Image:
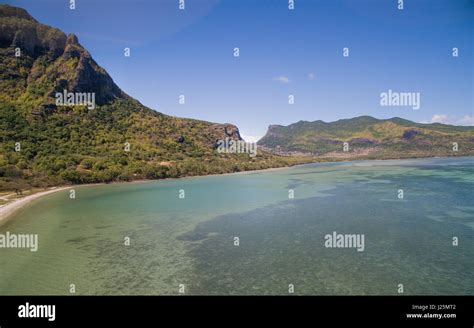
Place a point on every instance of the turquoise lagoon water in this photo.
(190, 241)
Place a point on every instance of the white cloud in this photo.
(311, 76)
(466, 120)
(445, 119)
(250, 138)
(439, 118)
(282, 79)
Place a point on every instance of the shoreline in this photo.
(270, 169)
(8, 209)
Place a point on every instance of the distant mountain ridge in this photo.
(368, 135)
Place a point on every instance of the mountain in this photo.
(369, 137)
(43, 142)
(64, 120)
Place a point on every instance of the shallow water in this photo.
(190, 241)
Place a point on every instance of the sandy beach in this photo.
(8, 209)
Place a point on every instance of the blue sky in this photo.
(282, 52)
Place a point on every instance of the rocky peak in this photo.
(274, 126)
(73, 49)
(72, 39)
(9, 11)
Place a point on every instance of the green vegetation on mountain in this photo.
(42, 144)
(371, 137)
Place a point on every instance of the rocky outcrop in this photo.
(225, 131)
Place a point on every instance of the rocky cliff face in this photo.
(57, 62)
(19, 29)
(88, 77)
